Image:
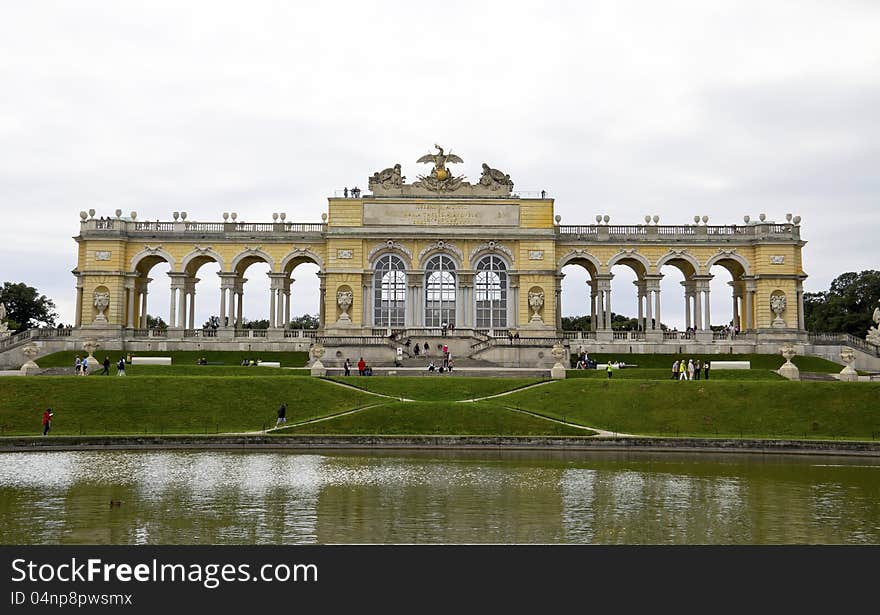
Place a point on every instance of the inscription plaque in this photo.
(440, 214)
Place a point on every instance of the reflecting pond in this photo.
(189, 497)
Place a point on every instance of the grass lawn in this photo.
(723, 408)
(96, 405)
(655, 373)
(758, 361)
(438, 418)
(66, 358)
(439, 388)
(208, 371)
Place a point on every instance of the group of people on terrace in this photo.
(690, 369)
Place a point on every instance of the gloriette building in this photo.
(403, 259)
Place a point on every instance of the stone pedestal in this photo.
(30, 369)
(848, 374)
(318, 368)
(557, 372)
(654, 336)
(790, 371)
(703, 336)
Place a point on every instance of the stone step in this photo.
(818, 377)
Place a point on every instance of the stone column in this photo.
(800, 307)
(130, 301)
(649, 314)
(322, 311)
(79, 306)
(698, 309)
(368, 299)
(413, 286)
(640, 293)
(608, 307)
(594, 296)
(513, 300)
(287, 284)
(708, 308)
(272, 293)
(172, 310)
(236, 302)
(228, 281)
(657, 309)
(143, 314)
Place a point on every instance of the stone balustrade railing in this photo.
(689, 232)
(844, 339)
(120, 226)
(42, 333)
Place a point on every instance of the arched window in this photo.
(439, 291)
(389, 288)
(490, 293)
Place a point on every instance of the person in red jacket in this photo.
(362, 366)
(47, 420)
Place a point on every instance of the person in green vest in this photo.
(608, 369)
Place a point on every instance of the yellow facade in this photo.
(115, 258)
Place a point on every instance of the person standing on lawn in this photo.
(47, 420)
(282, 415)
(362, 367)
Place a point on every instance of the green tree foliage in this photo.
(846, 307)
(255, 324)
(156, 322)
(306, 321)
(619, 322)
(26, 307)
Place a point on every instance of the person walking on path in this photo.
(675, 370)
(608, 369)
(362, 367)
(682, 370)
(697, 368)
(85, 367)
(427, 350)
(120, 367)
(282, 415)
(77, 366)
(47, 420)
(690, 369)
(106, 366)
(347, 367)
(706, 370)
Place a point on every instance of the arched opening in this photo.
(302, 311)
(440, 291)
(202, 291)
(490, 293)
(252, 309)
(677, 290)
(389, 291)
(628, 284)
(152, 293)
(726, 296)
(579, 295)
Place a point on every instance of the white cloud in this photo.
(626, 108)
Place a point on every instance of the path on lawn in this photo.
(597, 432)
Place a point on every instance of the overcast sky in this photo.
(622, 108)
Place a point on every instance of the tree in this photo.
(255, 324)
(155, 322)
(846, 307)
(26, 307)
(619, 322)
(306, 321)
